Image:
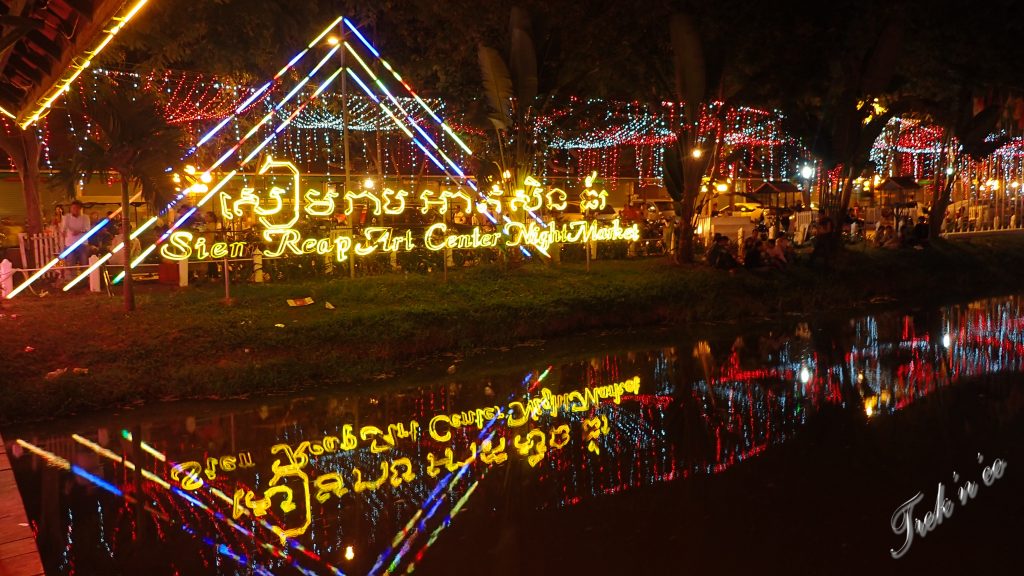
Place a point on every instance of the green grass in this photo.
(187, 344)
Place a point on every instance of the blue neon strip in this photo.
(97, 481)
(289, 65)
(292, 93)
(252, 98)
(83, 239)
(361, 39)
(211, 133)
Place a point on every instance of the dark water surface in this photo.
(782, 448)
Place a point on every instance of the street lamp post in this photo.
(344, 129)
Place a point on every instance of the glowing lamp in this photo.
(1014, 184)
(805, 375)
(190, 169)
(333, 40)
(369, 183)
(806, 172)
(349, 553)
(206, 178)
(697, 153)
(949, 171)
(721, 187)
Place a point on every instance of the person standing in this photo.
(73, 226)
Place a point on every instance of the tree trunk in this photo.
(941, 197)
(940, 203)
(126, 232)
(23, 148)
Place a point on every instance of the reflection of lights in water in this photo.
(870, 403)
(743, 408)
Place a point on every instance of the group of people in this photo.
(757, 253)
(906, 233)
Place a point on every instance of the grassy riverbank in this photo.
(187, 344)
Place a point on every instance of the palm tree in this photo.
(135, 142)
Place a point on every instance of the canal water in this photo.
(783, 447)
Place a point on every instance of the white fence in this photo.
(38, 249)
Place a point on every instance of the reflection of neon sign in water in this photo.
(743, 404)
(289, 489)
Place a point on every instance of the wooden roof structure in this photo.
(46, 44)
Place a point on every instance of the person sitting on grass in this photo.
(719, 255)
(823, 238)
(776, 257)
(919, 237)
(753, 256)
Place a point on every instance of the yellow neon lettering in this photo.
(200, 248)
(237, 249)
(288, 241)
(432, 428)
(225, 210)
(351, 197)
(366, 432)
(359, 485)
(330, 484)
(428, 236)
(535, 440)
(348, 439)
(562, 433)
(219, 250)
(177, 247)
(516, 231)
(458, 196)
(516, 422)
(527, 202)
(227, 463)
(278, 193)
(559, 204)
(245, 460)
(390, 197)
(211, 468)
(396, 477)
(187, 475)
(342, 247)
(491, 453)
(319, 204)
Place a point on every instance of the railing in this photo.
(38, 249)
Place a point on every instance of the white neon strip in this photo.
(411, 120)
(209, 135)
(252, 98)
(88, 271)
(398, 123)
(98, 263)
(32, 279)
(231, 175)
(326, 31)
(142, 256)
(398, 77)
(292, 93)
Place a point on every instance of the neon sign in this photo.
(296, 479)
(278, 211)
